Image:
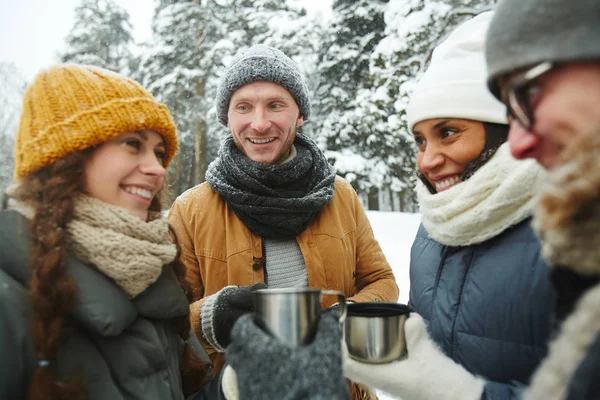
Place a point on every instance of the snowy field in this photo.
(395, 233)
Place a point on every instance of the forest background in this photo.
(361, 60)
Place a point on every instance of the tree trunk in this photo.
(392, 205)
(199, 140)
(401, 201)
(373, 199)
(199, 152)
(177, 189)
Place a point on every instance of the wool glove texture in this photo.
(268, 369)
(222, 309)
(425, 374)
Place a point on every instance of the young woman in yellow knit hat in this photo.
(92, 300)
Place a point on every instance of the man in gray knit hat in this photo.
(273, 212)
(544, 63)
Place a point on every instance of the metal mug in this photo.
(374, 331)
(292, 314)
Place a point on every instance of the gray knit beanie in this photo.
(262, 63)
(525, 33)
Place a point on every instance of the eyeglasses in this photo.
(517, 94)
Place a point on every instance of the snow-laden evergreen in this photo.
(345, 110)
(178, 66)
(361, 62)
(12, 88)
(413, 28)
(101, 36)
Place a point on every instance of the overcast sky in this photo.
(33, 31)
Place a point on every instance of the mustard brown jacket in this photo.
(339, 249)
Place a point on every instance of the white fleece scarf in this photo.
(499, 195)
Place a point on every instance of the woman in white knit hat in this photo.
(479, 287)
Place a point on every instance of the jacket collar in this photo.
(101, 306)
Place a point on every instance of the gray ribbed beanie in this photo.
(262, 63)
(525, 33)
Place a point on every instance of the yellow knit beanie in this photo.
(70, 107)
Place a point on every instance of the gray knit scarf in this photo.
(273, 201)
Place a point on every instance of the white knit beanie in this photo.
(454, 85)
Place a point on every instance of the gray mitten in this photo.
(222, 309)
(268, 369)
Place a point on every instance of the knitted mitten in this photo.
(268, 369)
(222, 309)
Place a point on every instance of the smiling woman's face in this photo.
(127, 171)
(446, 146)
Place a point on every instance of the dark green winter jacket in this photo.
(117, 347)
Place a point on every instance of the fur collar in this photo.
(568, 215)
(567, 222)
(565, 353)
(499, 195)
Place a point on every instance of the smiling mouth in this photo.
(261, 141)
(447, 183)
(146, 194)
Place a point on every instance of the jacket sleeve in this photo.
(183, 226)
(184, 233)
(585, 382)
(212, 390)
(502, 391)
(16, 348)
(374, 278)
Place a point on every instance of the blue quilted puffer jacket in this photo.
(489, 306)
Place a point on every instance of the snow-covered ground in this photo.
(395, 233)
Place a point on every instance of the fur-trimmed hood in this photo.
(567, 219)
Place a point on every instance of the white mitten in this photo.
(425, 374)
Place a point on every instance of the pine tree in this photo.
(343, 97)
(12, 87)
(176, 66)
(413, 29)
(101, 36)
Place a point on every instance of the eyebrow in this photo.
(278, 98)
(436, 126)
(247, 99)
(144, 136)
(441, 123)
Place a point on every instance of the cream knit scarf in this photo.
(499, 195)
(125, 248)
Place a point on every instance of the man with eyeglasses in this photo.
(543, 61)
